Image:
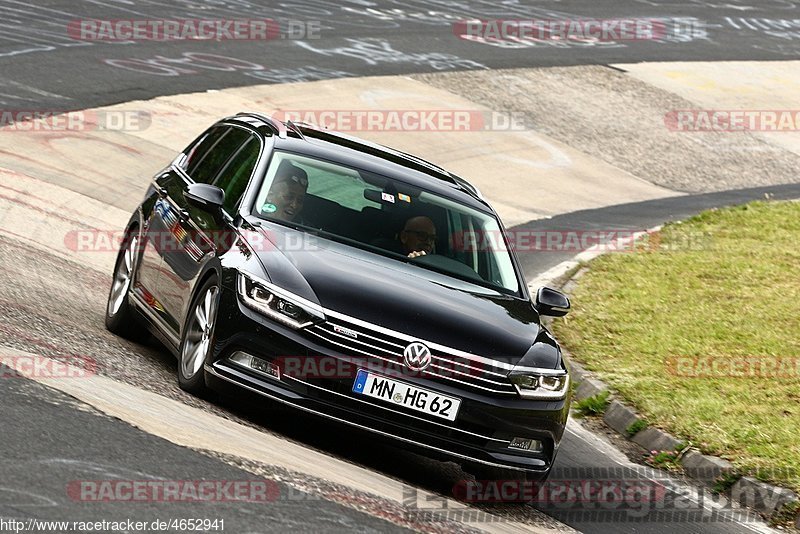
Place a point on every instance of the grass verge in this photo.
(592, 406)
(700, 331)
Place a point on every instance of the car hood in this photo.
(400, 296)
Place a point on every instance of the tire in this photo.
(198, 338)
(121, 318)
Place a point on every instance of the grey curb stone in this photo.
(619, 417)
(569, 285)
(705, 468)
(760, 496)
(577, 372)
(589, 387)
(655, 439)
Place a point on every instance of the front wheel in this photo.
(121, 318)
(198, 338)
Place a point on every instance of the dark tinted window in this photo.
(234, 176)
(200, 147)
(213, 152)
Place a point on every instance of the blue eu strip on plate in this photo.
(361, 380)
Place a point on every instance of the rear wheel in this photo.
(121, 318)
(198, 338)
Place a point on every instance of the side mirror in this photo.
(551, 302)
(205, 197)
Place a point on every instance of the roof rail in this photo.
(474, 191)
(293, 126)
(420, 161)
(276, 125)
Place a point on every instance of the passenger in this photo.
(287, 193)
(418, 237)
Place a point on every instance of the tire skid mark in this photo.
(37, 197)
(38, 313)
(62, 171)
(96, 276)
(38, 342)
(25, 238)
(48, 212)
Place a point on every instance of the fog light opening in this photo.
(526, 444)
(256, 364)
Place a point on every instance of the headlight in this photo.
(540, 384)
(277, 303)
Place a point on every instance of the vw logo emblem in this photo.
(417, 356)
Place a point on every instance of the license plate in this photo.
(402, 394)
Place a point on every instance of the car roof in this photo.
(361, 154)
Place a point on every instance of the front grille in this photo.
(451, 369)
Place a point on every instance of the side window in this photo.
(234, 176)
(199, 147)
(213, 152)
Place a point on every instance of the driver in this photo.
(418, 236)
(287, 193)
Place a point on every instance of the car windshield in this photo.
(388, 217)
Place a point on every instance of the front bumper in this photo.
(481, 433)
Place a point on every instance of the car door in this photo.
(161, 225)
(228, 164)
(150, 262)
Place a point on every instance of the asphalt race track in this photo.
(53, 306)
(43, 66)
